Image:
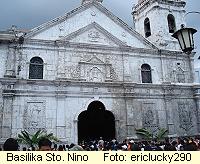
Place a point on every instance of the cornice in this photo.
(63, 45)
(36, 44)
(6, 37)
(121, 84)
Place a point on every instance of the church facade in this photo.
(88, 74)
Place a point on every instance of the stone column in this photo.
(168, 102)
(7, 116)
(10, 64)
(60, 116)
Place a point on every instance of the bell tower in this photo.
(89, 1)
(157, 20)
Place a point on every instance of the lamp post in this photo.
(186, 42)
(185, 38)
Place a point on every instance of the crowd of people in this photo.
(44, 144)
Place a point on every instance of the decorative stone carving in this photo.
(93, 13)
(61, 132)
(95, 60)
(92, 70)
(95, 75)
(176, 72)
(185, 117)
(76, 72)
(180, 75)
(34, 116)
(113, 74)
(93, 36)
(150, 117)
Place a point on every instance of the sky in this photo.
(27, 14)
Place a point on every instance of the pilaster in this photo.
(60, 117)
(10, 63)
(8, 96)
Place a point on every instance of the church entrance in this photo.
(96, 122)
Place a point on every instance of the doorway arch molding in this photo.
(85, 107)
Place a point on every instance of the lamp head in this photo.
(185, 38)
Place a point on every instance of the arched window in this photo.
(147, 27)
(36, 68)
(171, 23)
(146, 73)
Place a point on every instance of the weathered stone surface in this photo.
(90, 55)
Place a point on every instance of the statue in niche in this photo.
(95, 75)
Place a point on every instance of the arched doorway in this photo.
(96, 122)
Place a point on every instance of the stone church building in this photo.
(88, 74)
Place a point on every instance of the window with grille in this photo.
(171, 23)
(147, 27)
(36, 68)
(146, 73)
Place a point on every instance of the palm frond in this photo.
(36, 136)
(144, 132)
(33, 139)
(161, 133)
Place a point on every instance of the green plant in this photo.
(33, 139)
(144, 132)
(160, 134)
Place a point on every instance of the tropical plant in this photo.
(33, 139)
(144, 132)
(150, 135)
(161, 133)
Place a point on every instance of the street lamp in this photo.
(185, 38)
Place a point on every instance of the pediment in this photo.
(93, 34)
(77, 26)
(95, 60)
